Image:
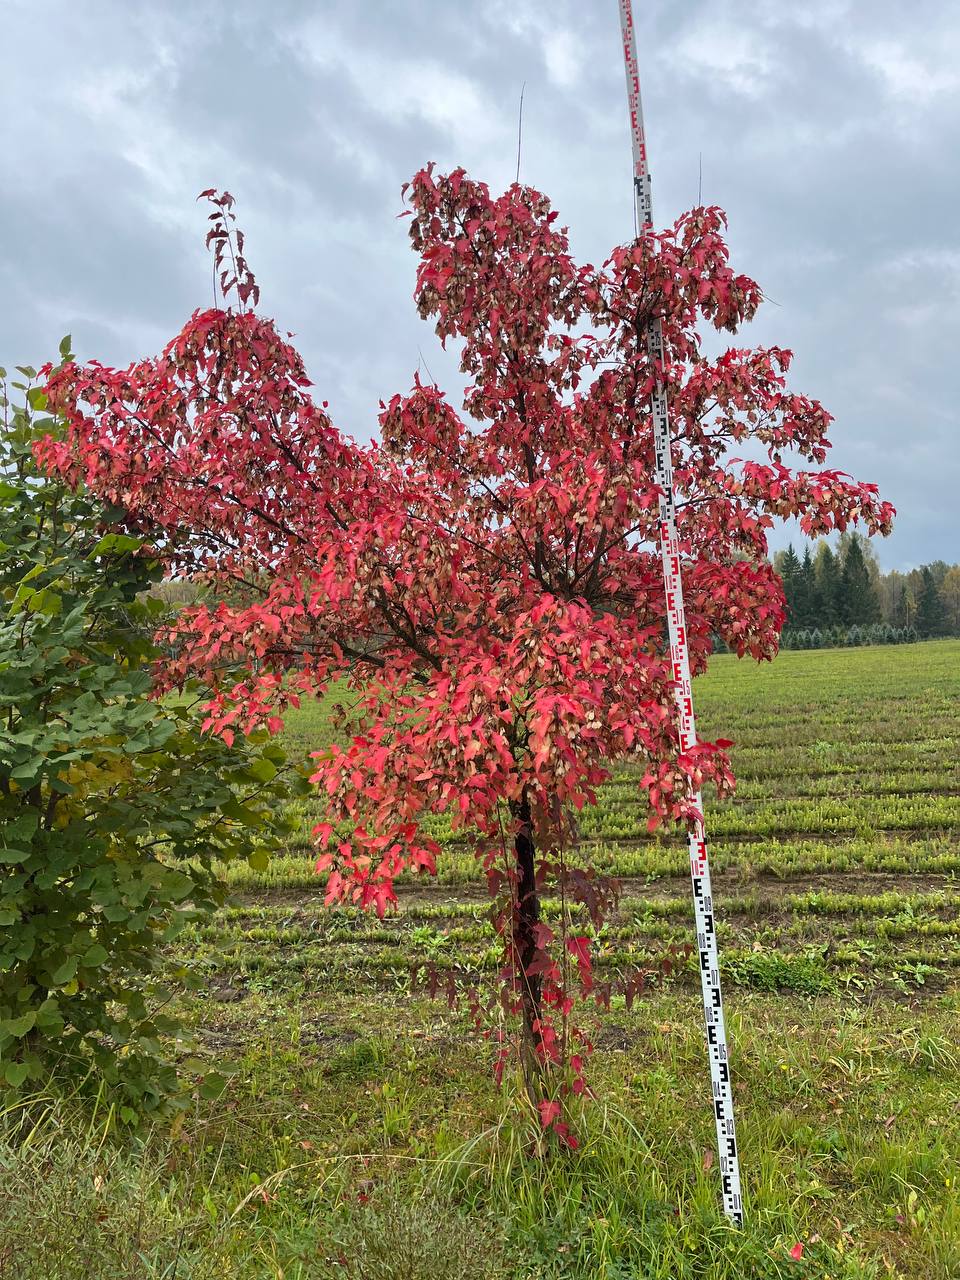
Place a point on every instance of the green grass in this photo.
(360, 1133)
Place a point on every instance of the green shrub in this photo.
(114, 807)
(774, 971)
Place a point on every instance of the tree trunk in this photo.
(526, 915)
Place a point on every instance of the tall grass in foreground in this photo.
(80, 1208)
(389, 1155)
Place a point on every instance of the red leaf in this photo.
(549, 1112)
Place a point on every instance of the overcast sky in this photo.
(828, 131)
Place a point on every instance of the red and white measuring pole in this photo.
(676, 624)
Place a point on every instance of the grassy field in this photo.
(360, 1134)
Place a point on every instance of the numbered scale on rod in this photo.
(716, 1034)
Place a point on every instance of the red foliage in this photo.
(490, 589)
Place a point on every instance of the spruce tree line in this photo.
(842, 596)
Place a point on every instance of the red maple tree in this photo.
(489, 586)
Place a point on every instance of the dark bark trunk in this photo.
(526, 915)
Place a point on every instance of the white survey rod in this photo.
(716, 1034)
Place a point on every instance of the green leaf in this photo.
(16, 1072)
(19, 1026)
(115, 544)
(25, 773)
(23, 826)
(65, 972)
(48, 1015)
(47, 602)
(64, 347)
(241, 813)
(261, 770)
(95, 956)
(212, 1085)
(33, 573)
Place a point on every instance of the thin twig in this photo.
(520, 128)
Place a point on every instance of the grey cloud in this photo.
(828, 145)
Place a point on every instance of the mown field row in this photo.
(807, 943)
(846, 760)
(831, 801)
